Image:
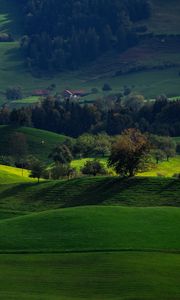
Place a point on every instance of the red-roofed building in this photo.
(40, 93)
(68, 94)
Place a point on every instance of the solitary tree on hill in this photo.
(129, 153)
(37, 170)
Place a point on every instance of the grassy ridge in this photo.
(40, 142)
(140, 191)
(92, 228)
(97, 276)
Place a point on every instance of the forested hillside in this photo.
(66, 34)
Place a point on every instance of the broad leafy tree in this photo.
(129, 153)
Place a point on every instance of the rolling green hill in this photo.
(92, 229)
(40, 142)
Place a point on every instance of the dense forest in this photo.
(70, 118)
(67, 34)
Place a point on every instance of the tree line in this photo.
(66, 34)
(70, 118)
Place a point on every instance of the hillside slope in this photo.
(90, 191)
(91, 229)
(39, 142)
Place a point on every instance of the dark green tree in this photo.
(61, 155)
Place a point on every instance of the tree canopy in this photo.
(129, 153)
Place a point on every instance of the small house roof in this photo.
(40, 92)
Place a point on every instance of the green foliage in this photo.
(93, 167)
(36, 170)
(61, 154)
(61, 171)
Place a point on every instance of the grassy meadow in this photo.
(89, 238)
(164, 168)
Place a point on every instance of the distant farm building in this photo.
(40, 93)
(69, 94)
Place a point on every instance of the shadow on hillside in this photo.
(19, 189)
(139, 191)
(100, 191)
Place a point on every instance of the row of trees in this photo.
(107, 115)
(127, 154)
(130, 153)
(65, 34)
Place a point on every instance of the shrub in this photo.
(106, 87)
(93, 167)
(14, 93)
(61, 171)
(94, 91)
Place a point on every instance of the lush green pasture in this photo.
(25, 101)
(8, 177)
(149, 83)
(40, 142)
(97, 276)
(164, 168)
(14, 171)
(92, 228)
